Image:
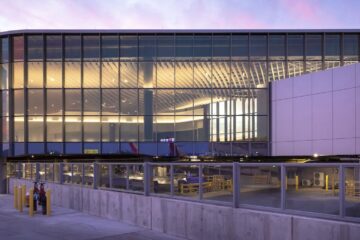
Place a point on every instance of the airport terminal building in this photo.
(180, 92)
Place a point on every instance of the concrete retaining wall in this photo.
(195, 220)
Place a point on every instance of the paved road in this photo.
(66, 224)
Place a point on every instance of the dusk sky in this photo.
(178, 14)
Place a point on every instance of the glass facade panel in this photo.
(128, 74)
(147, 48)
(165, 47)
(73, 129)
(202, 47)
(54, 129)
(110, 47)
(36, 102)
(351, 47)
(54, 102)
(19, 129)
(35, 48)
(258, 47)
(4, 55)
(72, 75)
(314, 47)
(110, 104)
(110, 128)
(54, 75)
(92, 128)
(277, 47)
(73, 102)
(184, 47)
(19, 102)
(18, 75)
(221, 47)
(91, 45)
(240, 47)
(129, 102)
(91, 102)
(165, 75)
(35, 75)
(53, 48)
(36, 129)
(110, 75)
(91, 71)
(332, 47)
(129, 48)
(18, 48)
(72, 47)
(295, 47)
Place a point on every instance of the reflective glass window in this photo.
(35, 47)
(295, 47)
(4, 50)
(54, 130)
(184, 47)
(18, 75)
(35, 75)
(221, 75)
(165, 102)
(258, 47)
(184, 74)
(54, 75)
(110, 128)
(314, 47)
(184, 101)
(110, 47)
(147, 75)
(351, 46)
(202, 47)
(72, 47)
(19, 103)
(72, 74)
(73, 129)
(128, 74)
(165, 75)
(92, 128)
(110, 75)
(147, 49)
(129, 101)
(54, 102)
(35, 102)
(36, 128)
(110, 104)
(4, 76)
(202, 74)
(18, 48)
(128, 48)
(53, 47)
(91, 46)
(332, 46)
(221, 47)
(72, 101)
(91, 102)
(165, 47)
(19, 129)
(129, 131)
(277, 47)
(91, 71)
(240, 47)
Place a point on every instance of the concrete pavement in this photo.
(66, 224)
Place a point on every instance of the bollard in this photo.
(327, 182)
(297, 183)
(31, 202)
(23, 193)
(48, 202)
(20, 199)
(15, 197)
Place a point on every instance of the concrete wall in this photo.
(192, 220)
(317, 113)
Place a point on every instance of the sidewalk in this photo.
(66, 224)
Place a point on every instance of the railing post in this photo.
(110, 175)
(96, 175)
(127, 177)
(61, 173)
(283, 186)
(342, 191)
(83, 174)
(18, 170)
(147, 179)
(235, 186)
(201, 190)
(172, 180)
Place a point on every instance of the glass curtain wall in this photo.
(164, 94)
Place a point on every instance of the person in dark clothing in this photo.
(36, 195)
(42, 198)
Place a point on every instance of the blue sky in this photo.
(178, 14)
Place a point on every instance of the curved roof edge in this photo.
(40, 31)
